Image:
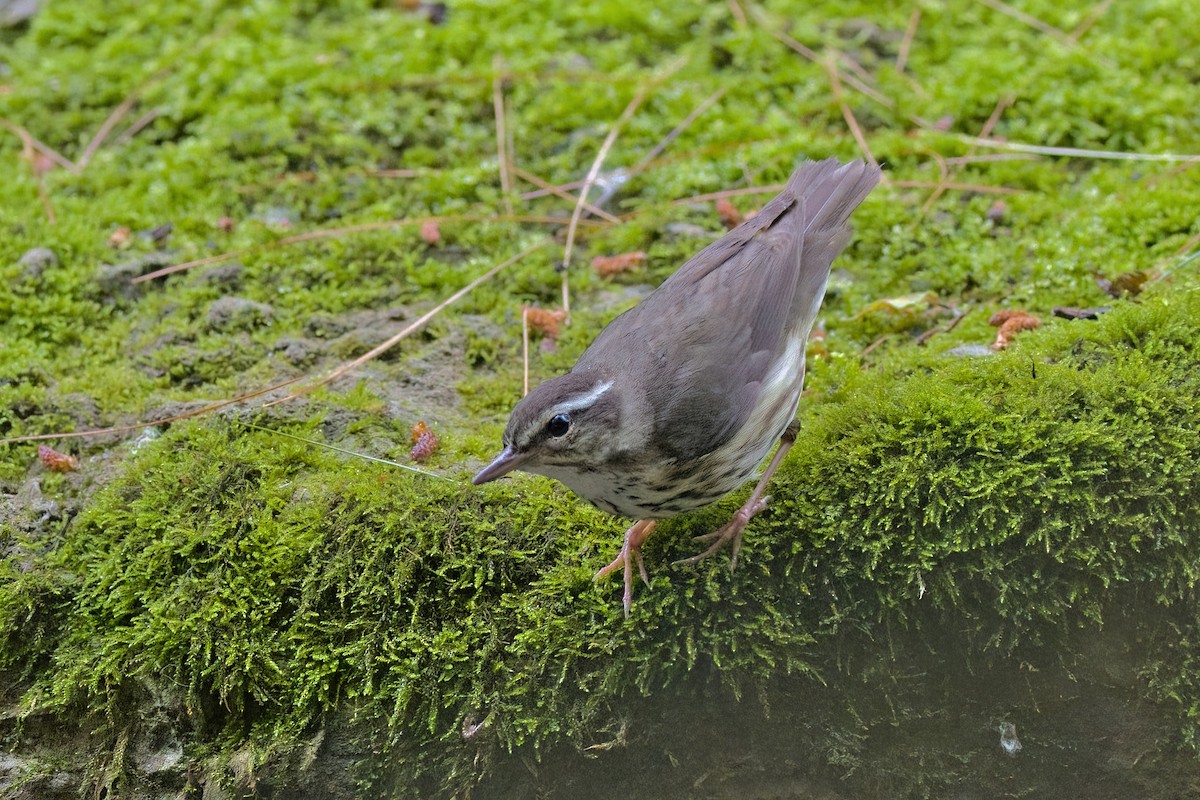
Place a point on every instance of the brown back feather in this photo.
(701, 344)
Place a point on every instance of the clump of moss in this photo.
(998, 494)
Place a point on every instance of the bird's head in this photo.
(569, 421)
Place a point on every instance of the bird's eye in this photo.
(558, 425)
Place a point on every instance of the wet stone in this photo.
(298, 352)
(324, 327)
(227, 275)
(970, 351)
(16, 12)
(238, 313)
(115, 281)
(36, 261)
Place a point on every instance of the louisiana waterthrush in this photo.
(679, 399)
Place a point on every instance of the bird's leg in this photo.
(732, 530)
(632, 549)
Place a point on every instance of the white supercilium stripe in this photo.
(582, 401)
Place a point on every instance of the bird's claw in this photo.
(730, 532)
(631, 550)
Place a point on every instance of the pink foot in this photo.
(730, 533)
(631, 550)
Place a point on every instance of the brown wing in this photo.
(702, 343)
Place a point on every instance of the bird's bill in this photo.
(506, 462)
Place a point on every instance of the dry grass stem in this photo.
(871, 347)
(139, 124)
(106, 128)
(910, 33)
(38, 164)
(308, 176)
(657, 150)
(989, 125)
(525, 349)
(929, 334)
(1002, 105)
(689, 156)
(817, 58)
(335, 448)
(594, 171)
(502, 154)
(32, 144)
(958, 187)
(774, 188)
(850, 63)
(1164, 267)
(1192, 241)
(1075, 152)
(943, 179)
(981, 159)
(735, 9)
(124, 107)
(1089, 19)
(588, 180)
(835, 82)
(558, 191)
(1030, 20)
(396, 173)
(196, 412)
(44, 198)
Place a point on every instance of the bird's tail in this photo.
(825, 194)
(830, 192)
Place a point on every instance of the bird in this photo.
(678, 401)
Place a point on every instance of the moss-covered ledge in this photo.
(959, 543)
(991, 515)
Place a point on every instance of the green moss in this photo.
(999, 492)
(941, 512)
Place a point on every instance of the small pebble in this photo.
(998, 212)
(970, 351)
(1009, 740)
(36, 261)
(238, 313)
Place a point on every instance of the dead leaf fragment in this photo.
(1010, 322)
(730, 216)
(424, 442)
(546, 321)
(606, 266)
(904, 304)
(120, 237)
(944, 123)
(998, 212)
(1127, 283)
(56, 461)
(160, 235)
(430, 234)
(1070, 312)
